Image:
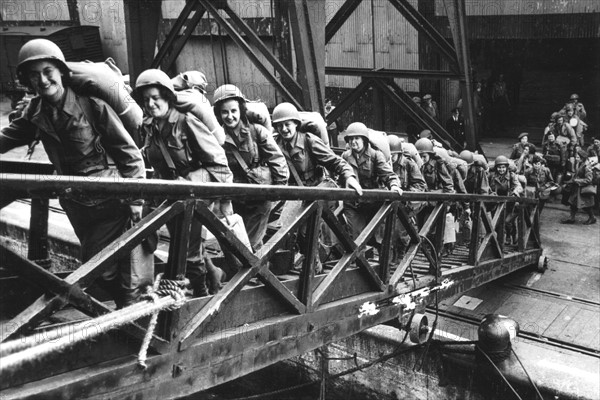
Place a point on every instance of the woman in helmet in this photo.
(372, 169)
(434, 170)
(506, 183)
(78, 133)
(306, 151)
(179, 146)
(253, 157)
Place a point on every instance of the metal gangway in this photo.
(258, 318)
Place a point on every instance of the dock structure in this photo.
(258, 318)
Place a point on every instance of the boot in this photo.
(591, 219)
(571, 219)
(113, 288)
(198, 286)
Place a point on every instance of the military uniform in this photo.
(306, 151)
(78, 137)
(436, 176)
(476, 181)
(373, 172)
(257, 148)
(195, 155)
(505, 185)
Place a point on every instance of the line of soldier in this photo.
(215, 144)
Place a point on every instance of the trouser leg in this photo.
(96, 227)
(256, 219)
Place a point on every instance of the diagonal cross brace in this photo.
(346, 259)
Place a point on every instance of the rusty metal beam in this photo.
(350, 98)
(340, 17)
(310, 62)
(169, 60)
(420, 23)
(241, 42)
(458, 26)
(383, 73)
(258, 43)
(141, 20)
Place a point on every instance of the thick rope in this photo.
(143, 353)
(21, 351)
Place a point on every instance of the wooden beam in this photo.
(88, 272)
(214, 305)
(340, 17)
(311, 252)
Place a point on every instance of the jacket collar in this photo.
(244, 133)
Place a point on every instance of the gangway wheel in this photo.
(419, 328)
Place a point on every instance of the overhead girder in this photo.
(305, 91)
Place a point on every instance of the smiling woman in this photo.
(77, 144)
(253, 157)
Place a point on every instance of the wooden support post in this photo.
(386, 244)
(38, 233)
(310, 258)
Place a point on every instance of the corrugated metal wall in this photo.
(396, 43)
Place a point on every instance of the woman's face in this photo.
(524, 139)
(357, 144)
(46, 79)
(287, 129)
(501, 169)
(155, 105)
(230, 113)
(425, 157)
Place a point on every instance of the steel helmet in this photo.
(501, 160)
(285, 112)
(228, 92)
(357, 129)
(424, 145)
(153, 77)
(467, 156)
(395, 144)
(554, 116)
(425, 133)
(574, 96)
(36, 50)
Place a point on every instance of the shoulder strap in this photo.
(238, 157)
(291, 167)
